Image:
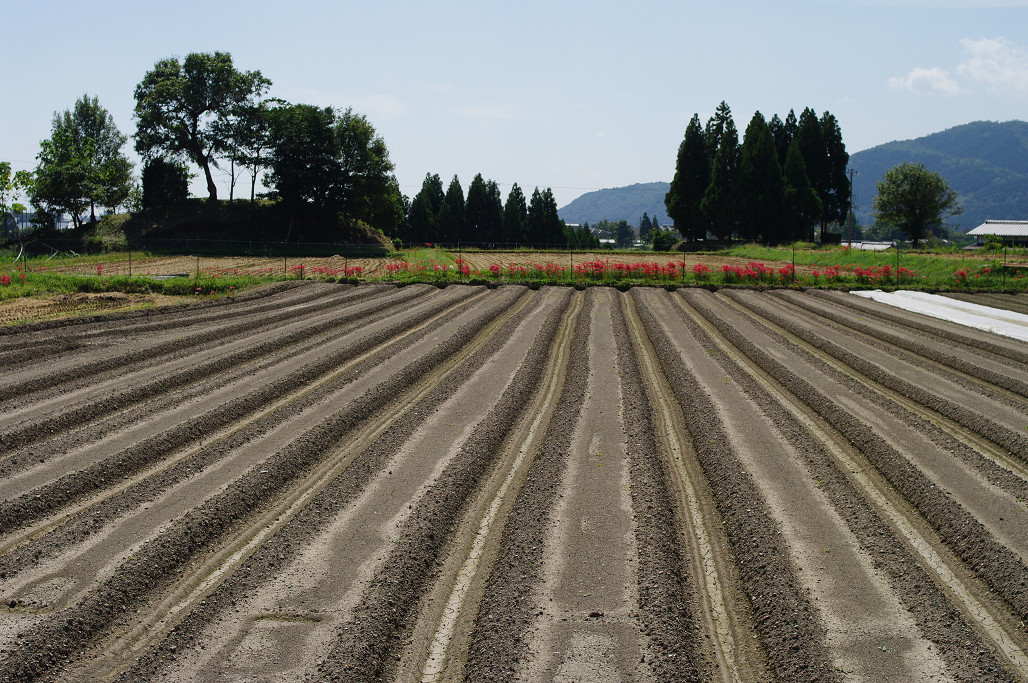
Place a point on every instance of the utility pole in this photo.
(849, 231)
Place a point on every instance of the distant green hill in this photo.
(618, 203)
(985, 162)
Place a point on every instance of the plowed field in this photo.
(358, 483)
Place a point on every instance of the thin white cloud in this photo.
(997, 63)
(487, 111)
(926, 80)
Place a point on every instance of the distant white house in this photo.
(1011, 232)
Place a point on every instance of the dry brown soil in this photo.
(321, 481)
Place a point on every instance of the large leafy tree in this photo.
(249, 140)
(184, 109)
(692, 176)
(333, 162)
(760, 183)
(165, 183)
(81, 165)
(370, 190)
(12, 185)
(913, 198)
(305, 167)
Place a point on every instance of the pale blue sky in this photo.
(569, 95)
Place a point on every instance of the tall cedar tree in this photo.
(811, 143)
(515, 215)
(800, 204)
(783, 132)
(493, 212)
(692, 176)
(424, 210)
(183, 109)
(581, 237)
(719, 200)
(451, 218)
(836, 198)
(645, 226)
(760, 184)
(483, 212)
(543, 226)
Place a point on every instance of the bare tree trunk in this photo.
(211, 187)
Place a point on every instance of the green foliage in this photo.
(108, 234)
(249, 139)
(305, 168)
(483, 214)
(81, 164)
(834, 191)
(451, 216)
(333, 162)
(647, 228)
(543, 226)
(692, 176)
(185, 110)
(622, 232)
(913, 198)
(719, 199)
(760, 189)
(664, 240)
(515, 214)
(11, 188)
(986, 162)
(993, 244)
(165, 183)
(423, 216)
(801, 206)
(581, 238)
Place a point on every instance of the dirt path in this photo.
(329, 482)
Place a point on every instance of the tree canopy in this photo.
(332, 162)
(732, 189)
(81, 165)
(913, 198)
(692, 176)
(165, 183)
(185, 109)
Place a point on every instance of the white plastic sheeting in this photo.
(1007, 323)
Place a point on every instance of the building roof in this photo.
(1001, 229)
